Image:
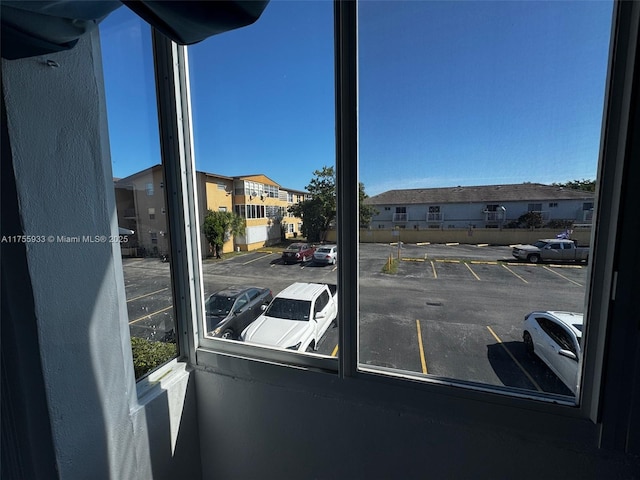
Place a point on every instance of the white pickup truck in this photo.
(562, 250)
(296, 318)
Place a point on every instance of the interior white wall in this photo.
(57, 124)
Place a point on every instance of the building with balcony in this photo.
(140, 200)
(490, 206)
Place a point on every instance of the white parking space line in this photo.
(147, 294)
(535, 384)
(560, 275)
(256, 259)
(472, 272)
(150, 315)
(508, 269)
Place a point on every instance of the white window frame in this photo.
(179, 169)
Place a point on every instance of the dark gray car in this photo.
(231, 310)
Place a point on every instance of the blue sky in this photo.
(451, 93)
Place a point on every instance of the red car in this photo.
(298, 252)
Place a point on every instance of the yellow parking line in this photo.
(147, 294)
(335, 351)
(483, 245)
(514, 273)
(149, 315)
(482, 262)
(446, 260)
(423, 362)
(560, 275)
(452, 244)
(473, 273)
(255, 259)
(535, 384)
(433, 267)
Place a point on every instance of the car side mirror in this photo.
(263, 307)
(568, 354)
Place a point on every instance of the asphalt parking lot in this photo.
(453, 311)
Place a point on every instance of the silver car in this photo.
(555, 338)
(326, 254)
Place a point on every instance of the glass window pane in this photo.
(489, 110)
(139, 187)
(264, 124)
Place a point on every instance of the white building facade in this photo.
(492, 206)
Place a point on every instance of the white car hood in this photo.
(277, 332)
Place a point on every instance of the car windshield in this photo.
(294, 248)
(219, 305)
(289, 309)
(577, 326)
(539, 244)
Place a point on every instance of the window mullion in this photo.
(345, 14)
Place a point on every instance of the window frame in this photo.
(178, 161)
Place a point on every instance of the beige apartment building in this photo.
(140, 201)
(261, 201)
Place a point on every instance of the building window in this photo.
(534, 207)
(125, 42)
(400, 214)
(553, 204)
(397, 41)
(222, 209)
(241, 211)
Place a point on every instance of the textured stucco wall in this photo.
(56, 120)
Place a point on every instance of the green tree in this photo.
(319, 211)
(585, 185)
(219, 226)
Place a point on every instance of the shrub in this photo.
(559, 224)
(391, 267)
(148, 355)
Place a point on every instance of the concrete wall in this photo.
(492, 236)
(260, 421)
(57, 126)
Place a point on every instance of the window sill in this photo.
(161, 379)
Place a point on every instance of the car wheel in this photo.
(528, 343)
(534, 258)
(228, 334)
